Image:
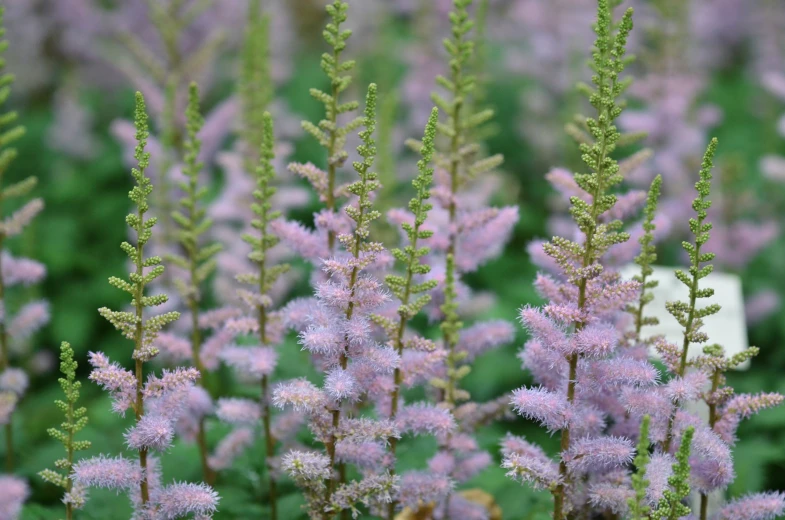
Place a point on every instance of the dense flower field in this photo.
(397, 259)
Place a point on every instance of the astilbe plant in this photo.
(163, 46)
(196, 263)
(331, 135)
(16, 328)
(256, 363)
(156, 401)
(711, 465)
(576, 353)
(419, 358)
(231, 210)
(340, 337)
(75, 420)
(465, 235)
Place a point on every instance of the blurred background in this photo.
(705, 68)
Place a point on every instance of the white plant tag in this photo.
(728, 327)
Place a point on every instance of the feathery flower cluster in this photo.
(596, 384)
(157, 402)
(462, 235)
(355, 365)
(631, 443)
(575, 352)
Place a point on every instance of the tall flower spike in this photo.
(460, 167)
(686, 313)
(341, 338)
(75, 421)
(10, 131)
(328, 132)
(645, 259)
(412, 295)
(262, 282)
(255, 84)
(712, 468)
(197, 261)
(135, 325)
(573, 353)
(671, 506)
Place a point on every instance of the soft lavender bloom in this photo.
(251, 362)
(742, 406)
(611, 496)
(423, 418)
(13, 225)
(658, 471)
(304, 465)
(28, 320)
(239, 411)
(14, 380)
(548, 408)
(21, 270)
(601, 453)
(527, 462)
(170, 381)
(300, 394)
(598, 340)
(420, 487)
(687, 388)
(758, 506)
(105, 472)
(119, 382)
(761, 305)
(182, 498)
(198, 405)
(13, 493)
(365, 455)
(151, 432)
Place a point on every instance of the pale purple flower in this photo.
(484, 336)
(28, 320)
(14, 380)
(300, 394)
(758, 506)
(420, 487)
(238, 411)
(602, 453)
(550, 409)
(105, 472)
(611, 496)
(151, 432)
(424, 418)
(21, 270)
(658, 471)
(182, 498)
(308, 466)
(13, 493)
(251, 362)
(14, 224)
(119, 382)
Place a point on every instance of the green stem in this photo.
(331, 167)
(138, 339)
(687, 332)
